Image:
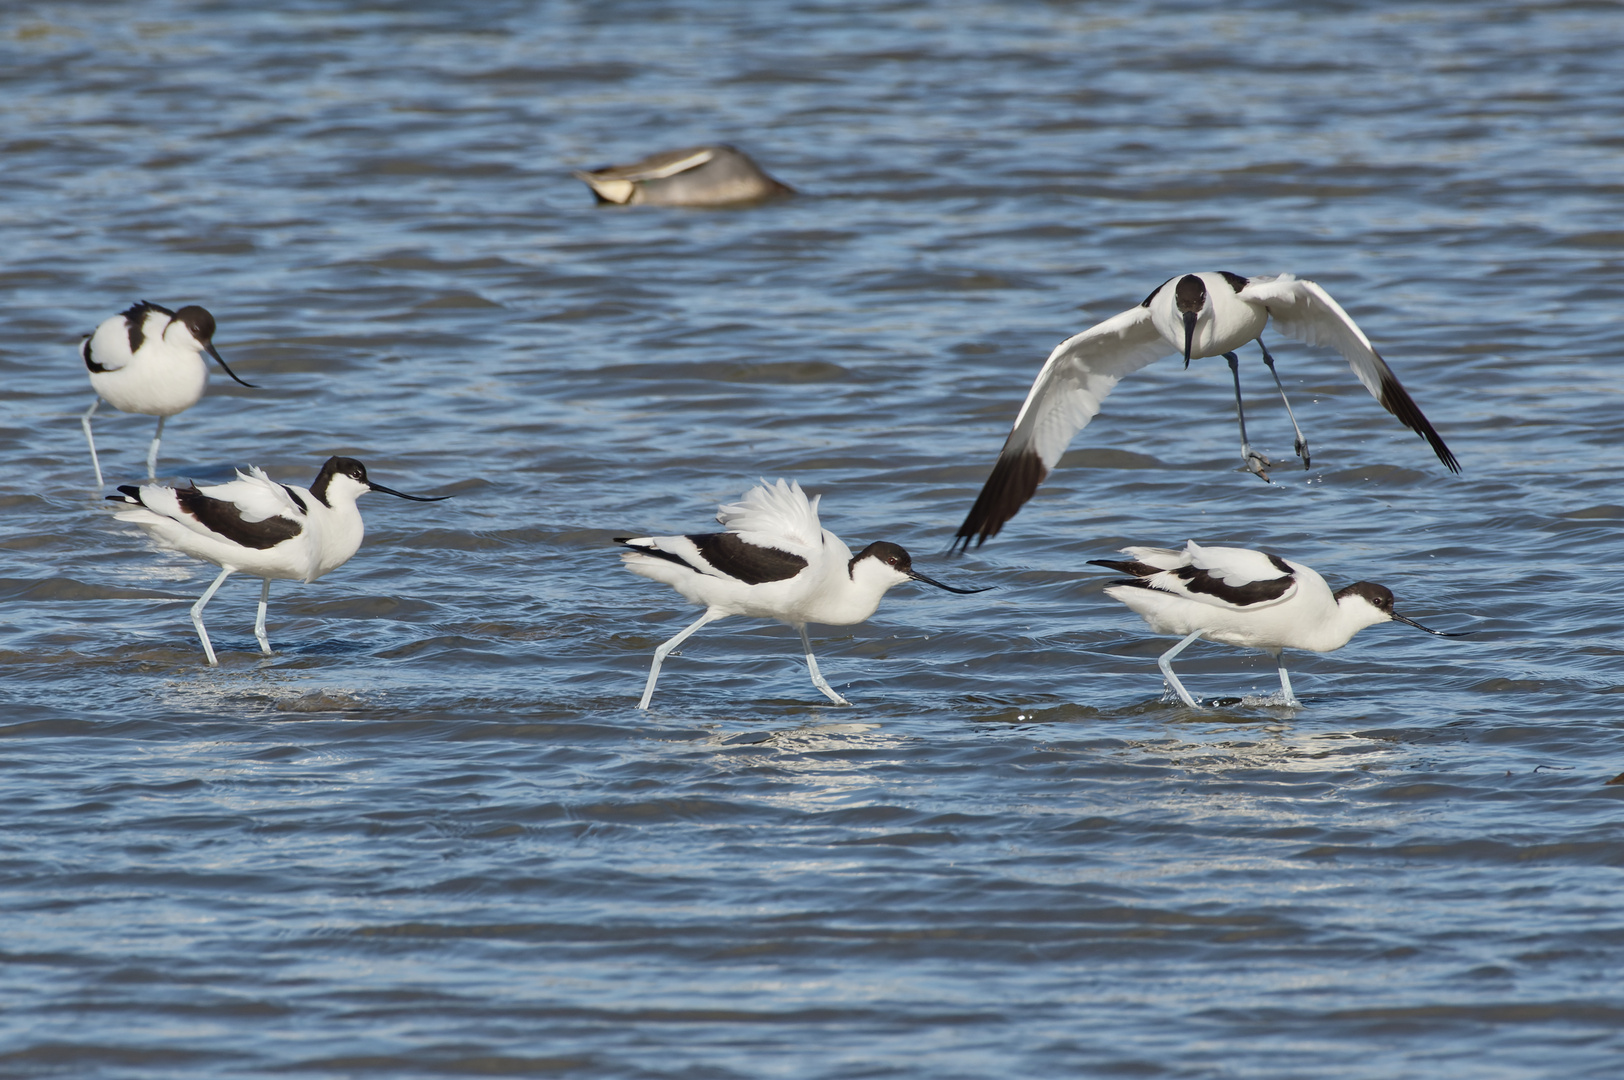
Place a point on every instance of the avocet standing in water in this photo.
(775, 561)
(254, 525)
(1196, 315)
(1237, 596)
(148, 359)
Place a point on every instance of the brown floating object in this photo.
(697, 176)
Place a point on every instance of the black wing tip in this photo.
(1014, 480)
(1127, 566)
(1397, 400)
(128, 494)
(1131, 582)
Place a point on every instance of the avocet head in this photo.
(193, 328)
(343, 479)
(1375, 603)
(887, 564)
(1189, 297)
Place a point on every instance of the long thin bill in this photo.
(1411, 622)
(403, 495)
(217, 359)
(917, 576)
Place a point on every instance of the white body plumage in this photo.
(149, 360)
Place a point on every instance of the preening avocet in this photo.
(694, 176)
(775, 561)
(148, 359)
(1237, 596)
(1196, 315)
(256, 526)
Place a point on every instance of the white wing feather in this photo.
(1304, 312)
(1076, 378)
(775, 516)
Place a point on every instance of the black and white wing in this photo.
(252, 511)
(1303, 311)
(1236, 579)
(1067, 394)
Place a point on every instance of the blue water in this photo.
(432, 836)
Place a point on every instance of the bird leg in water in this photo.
(1285, 682)
(259, 622)
(711, 615)
(817, 676)
(197, 616)
(1255, 462)
(152, 451)
(1166, 664)
(84, 421)
(1302, 443)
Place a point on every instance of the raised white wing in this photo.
(1303, 311)
(1067, 394)
(257, 496)
(775, 516)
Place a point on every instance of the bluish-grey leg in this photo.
(259, 623)
(1255, 462)
(197, 615)
(1302, 443)
(711, 615)
(152, 451)
(84, 422)
(817, 676)
(1166, 664)
(1285, 683)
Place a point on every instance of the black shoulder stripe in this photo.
(1280, 564)
(84, 351)
(1146, 301)
(222, 517)
(1253, 592)
(730, 555)
(294, 495)
(1236, 282)
(135, 321)
(748, 563)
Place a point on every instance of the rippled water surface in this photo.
(432, 836)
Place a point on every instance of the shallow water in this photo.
(433, 836)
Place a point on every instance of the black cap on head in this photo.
(1189, 297)
(348, 466)
(894, 556)
(1380, 597)
(197, 320)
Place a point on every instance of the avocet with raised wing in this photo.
(774, 561)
